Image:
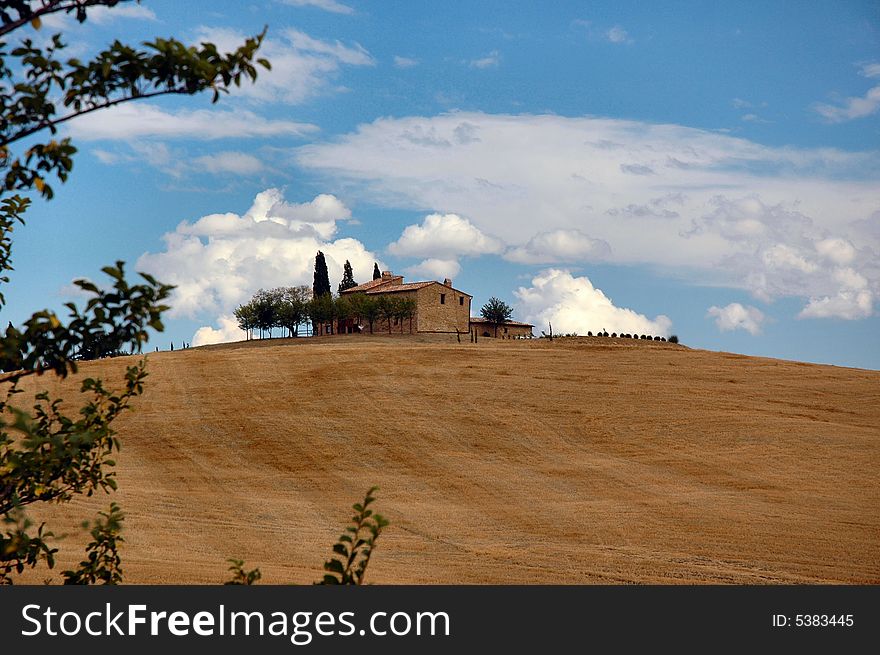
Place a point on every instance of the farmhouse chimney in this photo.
(447, 282)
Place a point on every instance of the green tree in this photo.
(367, 308)
(267, 305)
(47, 455)
(405, 310)
(387, 308)
(291, 309)
(343, 308)
(321, 281)
(497, 312)
(320, 311)
(347, 278)
(246, 316)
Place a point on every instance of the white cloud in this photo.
(177, 163)
(720, 209)
(63, 21)
(435, 269)
(303, 66)
(140, 120)
(854, 107)
(573, 304)
(444, 236)
(737, 317)
(489, 61)
(226, 331)
(104, 15)
(405, 62)
(559, 246)
(218, 261)
(618, 35)
(782, 256)
(871, 69)
(851, 108)
(848, 305)
(230, 161)
(327, 5)
(839, 251)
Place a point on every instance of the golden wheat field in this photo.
(574, 461)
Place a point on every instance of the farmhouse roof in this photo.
(390, 283)
(366, 286)
(392, 288)
(480, 319)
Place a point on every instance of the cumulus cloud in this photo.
(559, 246)
(573, 304)
(227, 330)
(838, 251)
(327, 5)
(218, 261)
(302, 66)
(853, 300)
(737, 317)
(132, 121)
(770, 220)
(435, 269)
(444, 236)
(489, 61)
(848, 305)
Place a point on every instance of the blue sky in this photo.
(708, 171)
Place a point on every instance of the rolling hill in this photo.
(574, 461)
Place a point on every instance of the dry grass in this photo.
(576, 461)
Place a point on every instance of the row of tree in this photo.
(290, 308)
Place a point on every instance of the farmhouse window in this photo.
(442, 298)
(461, 300)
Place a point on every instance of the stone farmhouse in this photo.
(440, 307)
(507, 330)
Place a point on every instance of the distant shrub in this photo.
(614, 335)
(604, 334)
(673, 338)
(589, 333)
(662, 338)
(656, 338)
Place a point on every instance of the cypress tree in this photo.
(376, 273)
(347, 278)
(321, 283)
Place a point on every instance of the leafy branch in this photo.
(354, 547)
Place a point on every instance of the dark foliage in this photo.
(353, 549)
(347, 278)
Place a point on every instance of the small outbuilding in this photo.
(507, 330)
